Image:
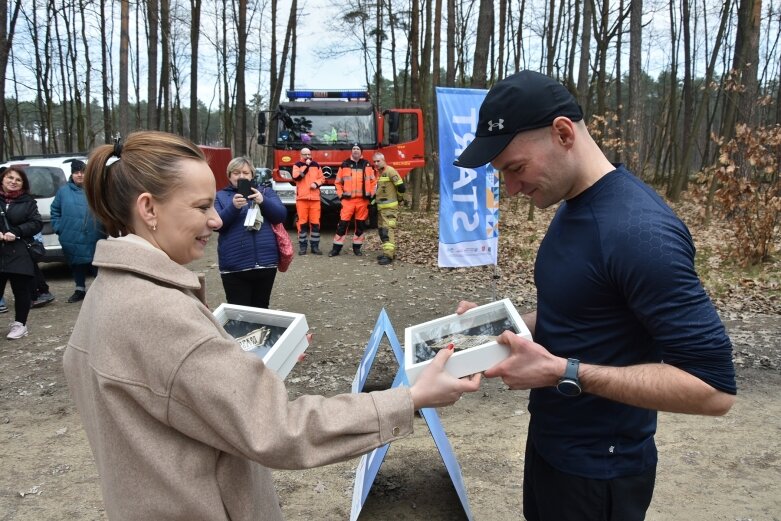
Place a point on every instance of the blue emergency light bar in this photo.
(326, 94)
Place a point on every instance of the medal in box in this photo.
(473, 335)
(278, 337)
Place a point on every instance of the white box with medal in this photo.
(473, 335)
(278, 337)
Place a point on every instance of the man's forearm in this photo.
(660, 387)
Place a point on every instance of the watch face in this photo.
(568, 387)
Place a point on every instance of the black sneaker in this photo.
(333, 253)
(42, 299)
(384, 260)
(77, 296)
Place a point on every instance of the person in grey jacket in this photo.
(76, 228)
(182, 423)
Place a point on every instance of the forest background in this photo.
(704, 125)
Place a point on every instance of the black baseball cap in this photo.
(524, 101)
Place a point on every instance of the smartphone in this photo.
(243, 187)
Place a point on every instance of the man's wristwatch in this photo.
(569, 384)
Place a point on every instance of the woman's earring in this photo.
(154, 227)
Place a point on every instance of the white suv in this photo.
(47, 174)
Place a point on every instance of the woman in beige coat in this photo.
(177, 415)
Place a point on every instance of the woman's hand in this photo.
(464, 306)
(435, 387)
(9, 237)
(239, 201)
(256, 196)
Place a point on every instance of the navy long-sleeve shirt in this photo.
(616, 286)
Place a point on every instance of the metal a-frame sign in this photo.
(370, 463)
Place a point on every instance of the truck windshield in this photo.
(338, 126)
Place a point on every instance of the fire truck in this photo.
(329, 123)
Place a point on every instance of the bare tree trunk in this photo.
(549, 38)
(90, 133)
(67, 126)
(293, 49)
(153, 17)
(240, 135)
(414, 50)
(502, 69)
(105, 74)
(634, 107)
(436, 63)
(227, 119)
(42, 66)
(739, 103)
(139, 122)
(571, 83)
(124, 42)
(165, 69)
(672, 140)
(78, 105)
(450, 65)
(681, 174)
(273, 79)
(392, 22)
(277, 94)
(6, 42)
(378, 37)
(195, 33)
(482, 44)
(585, 55)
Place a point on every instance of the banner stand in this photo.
(369, 464)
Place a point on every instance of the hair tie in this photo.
(116, 154)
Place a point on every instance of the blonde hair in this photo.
(148, 161)
(239, 162)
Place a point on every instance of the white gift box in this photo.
(282, 334)
(473, 334)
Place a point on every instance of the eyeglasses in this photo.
(378, 161)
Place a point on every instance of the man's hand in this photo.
(529, 365)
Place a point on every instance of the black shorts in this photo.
(552, 495)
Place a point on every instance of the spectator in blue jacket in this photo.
(77, 229)
(248, 257)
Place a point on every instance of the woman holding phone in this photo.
(247, 251)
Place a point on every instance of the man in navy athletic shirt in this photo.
(623, 327)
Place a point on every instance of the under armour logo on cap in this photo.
(527, 101)
(492, 125)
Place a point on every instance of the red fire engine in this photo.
(329, 123)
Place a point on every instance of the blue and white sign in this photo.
(468, 197)
(369, 464)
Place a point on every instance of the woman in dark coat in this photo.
(20, 221)
(76, 228)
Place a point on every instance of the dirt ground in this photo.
(726, 468)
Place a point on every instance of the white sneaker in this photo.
(18, 330)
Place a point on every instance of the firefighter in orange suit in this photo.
(355, 186)
(308, 178)
(389, 186)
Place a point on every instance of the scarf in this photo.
(10, 196)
